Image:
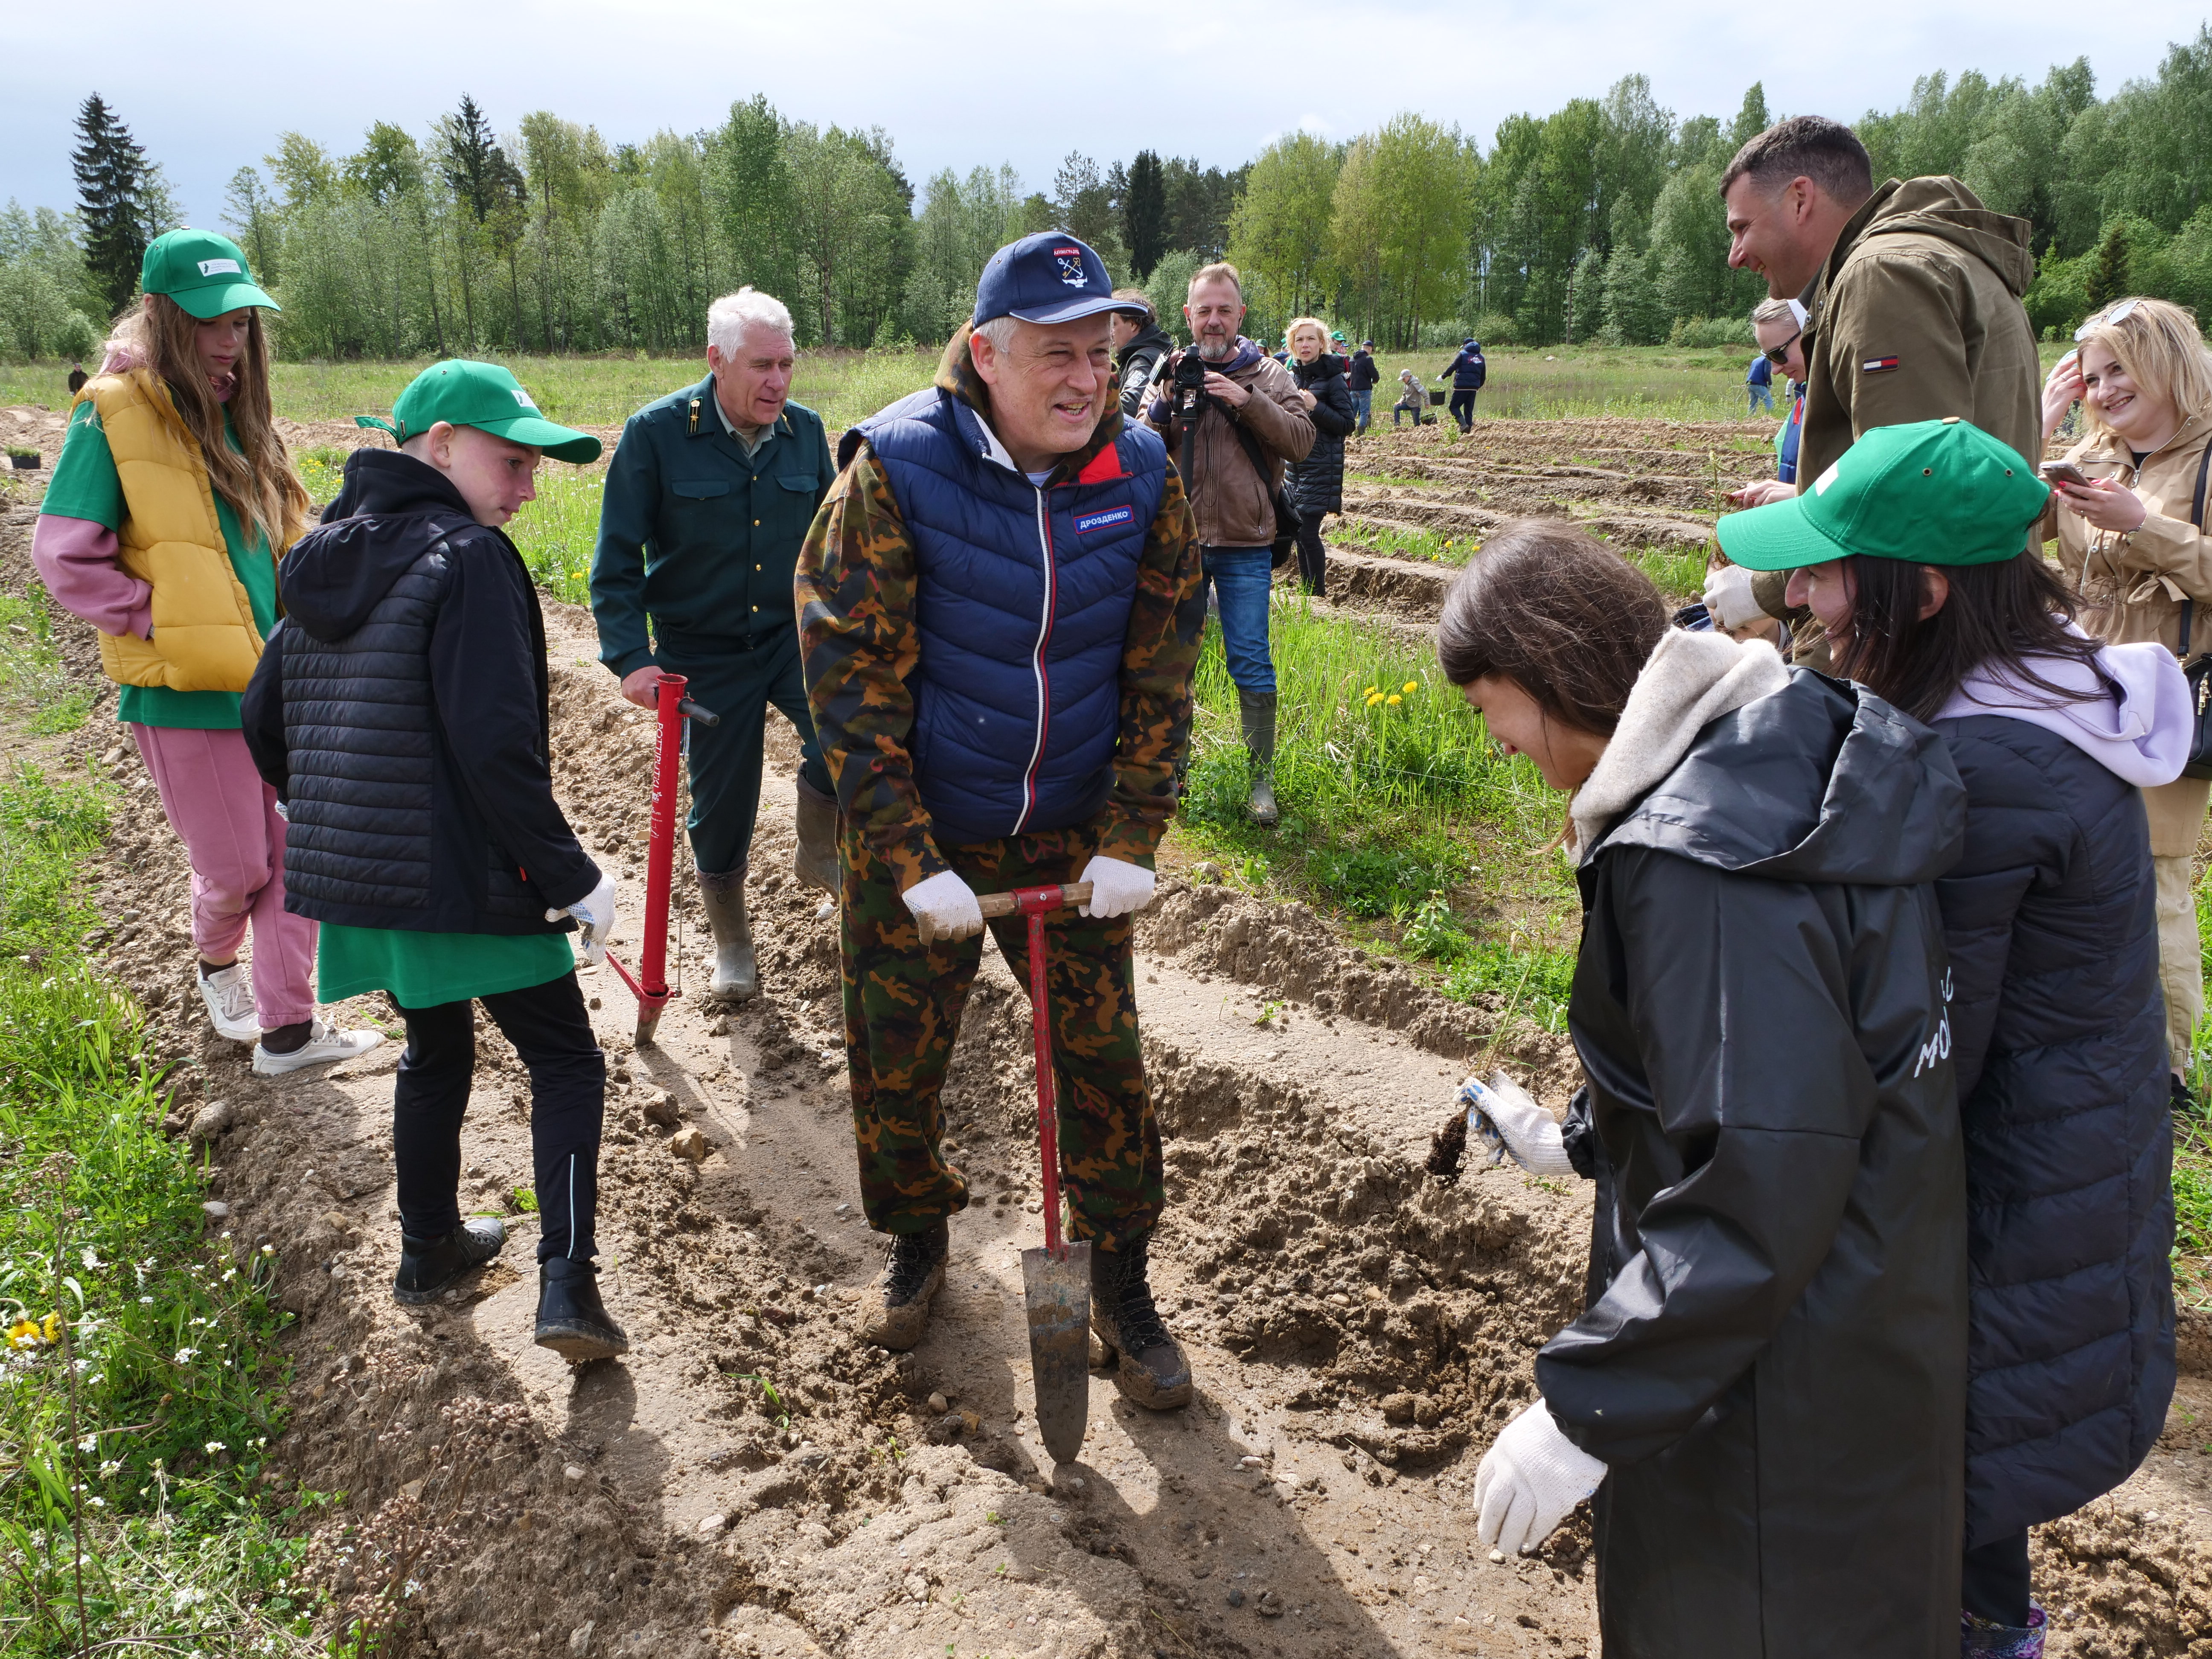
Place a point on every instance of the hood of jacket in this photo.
(1724, 757)
(1944, 208)
(333, 578)
(2129, 710)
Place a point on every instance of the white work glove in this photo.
(595, 915)
(1116, 888)
(1530, 1133)
(1729, 600)
(945, 907)
(1530, 1480)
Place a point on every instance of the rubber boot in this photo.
(1981, 1638)
(572, 1320)
(1258, 711)
(737, 978)
(910, 1277)
(1153, 1370)
(428, 1268)
(814, 862)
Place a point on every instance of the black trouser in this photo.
(1313, 557)
(548, 1028)
(1993, 1584)
(1463, 407)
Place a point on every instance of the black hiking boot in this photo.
(572, 1320)
(430, 1266)
(911, 1274)
(1153, 1370)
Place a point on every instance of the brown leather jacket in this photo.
(1234, 506)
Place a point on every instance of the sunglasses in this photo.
(1780, 354)
(2119, 313)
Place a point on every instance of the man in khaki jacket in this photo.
(1913, 294)
(1248, 411)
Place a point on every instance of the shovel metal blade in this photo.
(1058, 1296)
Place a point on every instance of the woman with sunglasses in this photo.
(2139, 564)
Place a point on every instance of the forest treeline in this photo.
(1600, 220)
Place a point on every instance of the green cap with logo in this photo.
(1931, 492)
(205, 274)
(464, 393)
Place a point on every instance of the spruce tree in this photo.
(1144, 215)
(111, 181)
(2108, 280)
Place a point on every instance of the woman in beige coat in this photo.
(2135, 553)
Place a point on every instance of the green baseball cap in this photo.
(464, 393)
(205, 274)
(1931, 492)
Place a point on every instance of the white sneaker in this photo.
(230, 1002)
(325, 1045)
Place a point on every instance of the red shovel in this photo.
(673, 708)
(1057, 1279)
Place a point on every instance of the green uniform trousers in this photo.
(726, 759)
(903, 1005)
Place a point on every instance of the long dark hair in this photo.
(1558, 613)
(1999, 616)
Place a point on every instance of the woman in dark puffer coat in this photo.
(1316, 483)
(2057, 1024)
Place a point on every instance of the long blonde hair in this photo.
(158, 338)
(2163, 351)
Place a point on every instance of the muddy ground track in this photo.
(1359, 1330)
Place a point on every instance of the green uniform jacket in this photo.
(1916, 315)
(698, 537)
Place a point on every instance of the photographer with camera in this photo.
(1232, 416)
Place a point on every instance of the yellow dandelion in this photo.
(1411, 686)
(1369, 692)
(23, 1333)
(1394, 700)
(52, 1328)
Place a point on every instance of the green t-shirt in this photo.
(422, 970)
(86, 485)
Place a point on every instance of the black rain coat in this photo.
(1316, 479)
(1772, 1359)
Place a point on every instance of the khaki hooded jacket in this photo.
(1234, 505)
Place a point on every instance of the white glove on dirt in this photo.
(595, 914)
(945, 907)
(1116, 888)
(1727, 598)
(1531, 1134)
(1529, 1481)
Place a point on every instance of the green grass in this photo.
(1550, 382)
(35, 692)
(142, 1381)
(556, 532)
(1680, 576)
(1398, 543)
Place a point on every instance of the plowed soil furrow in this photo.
(753, 1480)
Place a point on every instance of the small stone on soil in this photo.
(689, 1143)
(215, 1210)
(212, 1119)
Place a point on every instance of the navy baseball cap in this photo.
(1049, 277)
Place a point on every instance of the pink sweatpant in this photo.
(227, 817)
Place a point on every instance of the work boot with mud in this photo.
(1151, 1370)
(428, 1268)
(903, 1291)
(736, 979)
(814, 862)
(1258, 709)
(572, 1320)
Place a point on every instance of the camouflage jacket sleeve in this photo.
(857, 644)
(1158, 657)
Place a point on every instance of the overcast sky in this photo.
(986, 82)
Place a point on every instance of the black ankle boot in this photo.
(1153, 1370)
(572, 1320)
(429, 1267)
(910, 1277)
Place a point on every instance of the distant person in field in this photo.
(1760, 378)
(1778, 325)
(1467, 373)
(1912, 294)
(76, 379)
(708, 498)
(1000, 614)
(177, 421)
(1141, 346)
(1362, 380)
(1412, 400)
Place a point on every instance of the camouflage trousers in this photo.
(903, 1006)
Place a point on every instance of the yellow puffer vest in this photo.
(205, 638)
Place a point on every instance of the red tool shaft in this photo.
(660, 846)
(1035, 901)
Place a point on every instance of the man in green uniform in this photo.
(708, 499)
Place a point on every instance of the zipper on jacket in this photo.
(1036, 660)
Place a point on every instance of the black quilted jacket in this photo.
(400, 711)
(1316, 481)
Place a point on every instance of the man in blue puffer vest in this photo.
(999, 615)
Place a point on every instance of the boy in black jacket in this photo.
(400, 712)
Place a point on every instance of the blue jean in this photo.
(1242, 577)
(1761, 394)
(1363, 405)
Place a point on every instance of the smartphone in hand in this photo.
(2059, 472)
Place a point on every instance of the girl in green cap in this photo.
(171, 503)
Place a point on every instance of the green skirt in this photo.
(422, 970)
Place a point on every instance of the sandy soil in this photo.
(1360, 1329)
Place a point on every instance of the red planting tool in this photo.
(650, 982)
(1057, 1279)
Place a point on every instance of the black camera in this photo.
(1190, 394)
